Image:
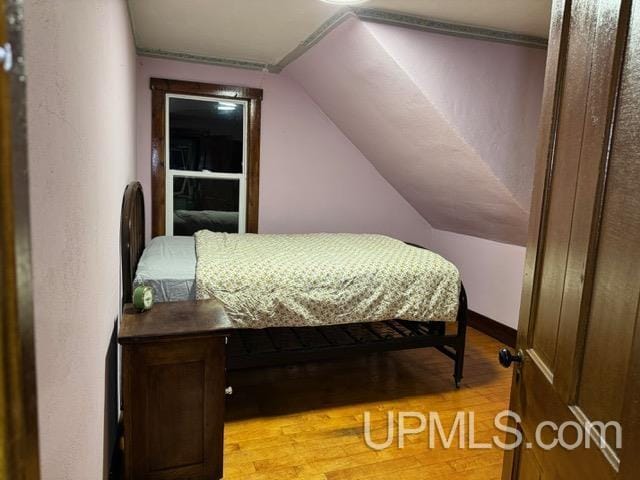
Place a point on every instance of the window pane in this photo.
(205, 204)
(205, 135)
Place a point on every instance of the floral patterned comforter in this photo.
(322, 279)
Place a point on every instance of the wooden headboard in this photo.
(131, 236)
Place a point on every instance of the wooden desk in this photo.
(173, 369)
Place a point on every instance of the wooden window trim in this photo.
(159, 89)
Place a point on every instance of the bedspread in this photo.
(320, 279)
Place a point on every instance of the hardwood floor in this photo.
(306, 421)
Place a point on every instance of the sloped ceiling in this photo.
(489, 92)
(450, 123)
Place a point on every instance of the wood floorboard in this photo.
(306, 421)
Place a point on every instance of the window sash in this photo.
(171, 173)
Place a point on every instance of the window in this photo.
(206, 172)
(205, 157)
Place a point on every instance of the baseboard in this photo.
(503, 333)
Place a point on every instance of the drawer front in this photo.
(174, 409)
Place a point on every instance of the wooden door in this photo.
(18, 416)
(577, 330)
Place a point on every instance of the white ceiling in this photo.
(265, 31)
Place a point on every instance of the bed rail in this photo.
(253, 348)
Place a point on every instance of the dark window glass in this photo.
(205, 135)
(205, 204)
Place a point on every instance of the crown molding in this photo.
(446, 28)
(365, 14)
(188, 57)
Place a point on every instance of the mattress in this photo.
(168, 265)
(302, 280)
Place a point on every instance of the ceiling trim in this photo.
(188, 57)
(446, 28)
(366, 14)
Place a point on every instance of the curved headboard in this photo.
(131, 236)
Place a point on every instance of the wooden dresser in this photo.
(173, 359)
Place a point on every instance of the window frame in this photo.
(161, 91)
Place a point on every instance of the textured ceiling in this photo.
(266, 31)
(458, 144)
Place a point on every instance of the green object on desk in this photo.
(143, 297)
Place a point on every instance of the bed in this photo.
(295, 298)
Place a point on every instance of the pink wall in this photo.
(80, 65)
(490, 92)
(492, 273)
(312, 178)
(463, 176)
